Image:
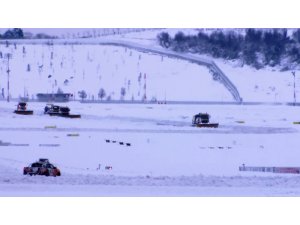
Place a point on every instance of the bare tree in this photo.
(123, 93)
(101, 93)
(82, 94)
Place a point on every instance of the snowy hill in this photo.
(167, 156)
(39, 67)
(45, 68)
(89, 68)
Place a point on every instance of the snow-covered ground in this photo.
(86, 65)
(167, 156)
(72, 68)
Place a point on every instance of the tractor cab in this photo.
(64, 110)
(50, 108)
(22, 109)
(22, 106)
(202, 120)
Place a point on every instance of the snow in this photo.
(91, 67)
(91, 64)
(167, 156)
(264, 85)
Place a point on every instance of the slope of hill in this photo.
(45, 68)
(39, 67)
(167, 155)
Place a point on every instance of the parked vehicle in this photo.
(42, 167)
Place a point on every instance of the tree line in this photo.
(18, 33)
(257, 47)
(15, 33)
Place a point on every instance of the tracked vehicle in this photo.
(22, 109)
(202, 120)
(62, 111)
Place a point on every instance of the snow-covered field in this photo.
(37, 67)
(161, 154)
(45, 68)
(167, 156)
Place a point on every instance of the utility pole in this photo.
(8, 56)
(294, 75)
(145, 88)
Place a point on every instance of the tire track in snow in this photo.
(221, 130)
(10, 176)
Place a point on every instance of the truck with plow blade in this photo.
(202, 120)
(62, 111)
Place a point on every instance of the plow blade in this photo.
(72, 116)
(210, 125)
(27, 112)
(65, 115)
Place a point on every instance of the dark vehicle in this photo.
(64, 110)
(42, 167)
(55, 110)
(22, 106)
(22, 109)
(202, 120)
(51, 109)
(44, 160)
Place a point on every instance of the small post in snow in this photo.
(8, 56)
(294, 75)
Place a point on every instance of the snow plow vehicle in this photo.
(63, 111)
(202, 120)
(42, 167)
(22, 109)
(51, 109)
